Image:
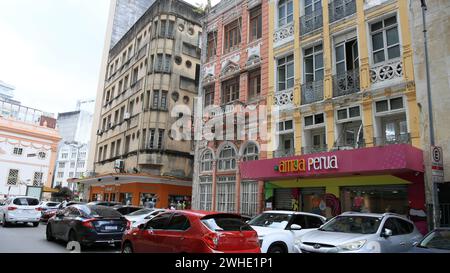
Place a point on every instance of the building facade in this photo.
(28, 149)
(153, 71)
(438, 40)
(234, 77)
(347, 137)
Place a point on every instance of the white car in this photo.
(278, 230)
(142, 216)
(20, 209)
(48, 205)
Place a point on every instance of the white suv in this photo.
(21, 209)
(277, 230)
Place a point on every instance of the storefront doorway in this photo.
(375, 199)
(312, 200)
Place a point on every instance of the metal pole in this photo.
(435, 198)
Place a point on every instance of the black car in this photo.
(437, 241)
(87, 225)
(103, 203)
(125, 210)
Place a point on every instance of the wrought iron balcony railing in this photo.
(314, 149)
(393, 139)
(341, 8)
(284, 153)
(348, 145)
(312, 92)
(346, 83)
(311, 22)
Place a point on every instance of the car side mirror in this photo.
(386, 233)
(295, 227)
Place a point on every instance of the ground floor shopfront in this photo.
(136, 190)
(377, 180)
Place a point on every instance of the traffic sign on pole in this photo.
(437, 164)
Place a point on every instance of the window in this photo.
(122, 114)
(404, 226)
(152, 139)
(212, 45)
(249, 198)
(159, 222)
(205, 196)
(226, 194)
(255, 24)
(312, 5)
(170, 29)
(37, 179)
(230, 90)
(251, 153)
(254, 83)
(100, 154)
(385, 40)
(227, 158)
(287, 125)
(232, 36)
(62, 165)
(155, 29)
(81, 164)
(178, 222)
(155, 99)
(18, 151)
(71, 175)
(164, 100)
(313, 64)
(389, 105)
(391, 225)
(313, 222)
(285, 68)
(209, 95)
(60, 175)
(162, 30)
(160, 139)
(119, 143)
(314, 120)
(167, 61)
(285, 12)
(64, 155)
(207, 162)
(13, 177)
(348, 113)
(159, 62)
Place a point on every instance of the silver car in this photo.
(361, 233)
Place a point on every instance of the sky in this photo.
(51, 50)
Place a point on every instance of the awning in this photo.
(47, 189)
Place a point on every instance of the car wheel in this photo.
(276, 249)
(49, 234)
(35, 224)
(127, 248)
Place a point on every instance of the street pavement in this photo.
(27, 239)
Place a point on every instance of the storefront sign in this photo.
(308, 165)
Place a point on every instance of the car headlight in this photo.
(353, 245)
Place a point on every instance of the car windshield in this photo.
(141, 212)
(225, 222)
(439, 240)
(353, 224)
(99, 212)
(271, 220)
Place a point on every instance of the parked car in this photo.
(20, 209)
(126, 210)
(87, 225)
(362, 233)
(142, 216)
(437, 241)
(48, 205)
(103, 203)
(277, 230)
(50, 213)
(192, 232)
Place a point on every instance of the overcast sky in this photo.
(51, 50)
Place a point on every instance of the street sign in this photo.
(437, 164)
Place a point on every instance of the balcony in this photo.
(283, 34)
(349, 145)
(387, 71)
(346, 83)
(135, 87)
(311, 22)
(141, 53)
(284, 98)
(392, 139)
(312, 92)
(284, 153)
(314, 149)
(341, 8)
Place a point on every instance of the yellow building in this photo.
(341, 82)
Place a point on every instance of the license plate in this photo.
(110, 228)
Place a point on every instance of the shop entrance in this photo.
(444, 201)
(312, 200)
(375, 199)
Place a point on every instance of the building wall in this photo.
(32, 139)
(438, 24)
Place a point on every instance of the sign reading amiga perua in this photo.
(307, 165)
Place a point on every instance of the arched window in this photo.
(251, 152)
(207, 160)
(227, 158)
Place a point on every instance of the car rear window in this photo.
(225, 222)
(52, 204)
(26, 202)
(141, 212)
(99, 211)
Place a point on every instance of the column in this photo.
(363, 47)
(214, 188)
(329, 121)
(237, 196)
(327, 56)
(298, 132)
(404, 26)
(367, 118)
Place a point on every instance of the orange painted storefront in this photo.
(164, 191)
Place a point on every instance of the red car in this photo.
(192, 232)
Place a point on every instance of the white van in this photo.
(20, 209)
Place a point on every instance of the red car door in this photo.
(151, 239)
(177, 237)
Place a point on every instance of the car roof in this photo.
(377, 215)
(293, 212)
(201, 213)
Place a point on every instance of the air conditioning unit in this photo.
(119, 164)
(127, 116)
